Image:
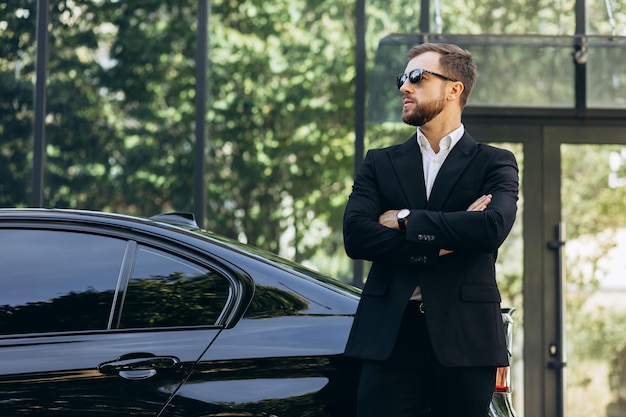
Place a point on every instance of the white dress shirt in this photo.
(432, 162)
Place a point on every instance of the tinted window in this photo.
(57, 281)
(165, 290)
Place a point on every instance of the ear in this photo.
(455, 91)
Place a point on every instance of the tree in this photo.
(120, 112)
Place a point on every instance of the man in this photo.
(430, 214)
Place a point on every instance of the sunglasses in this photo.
(415, 77)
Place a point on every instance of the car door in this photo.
(99, 325)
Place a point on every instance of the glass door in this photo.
(593, 208)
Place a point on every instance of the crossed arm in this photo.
(389, 218)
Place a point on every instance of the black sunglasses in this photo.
(415, 77)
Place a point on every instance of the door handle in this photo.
(137, 366)
(558, 348)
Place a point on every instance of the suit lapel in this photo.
(451, 170)
(407, 163)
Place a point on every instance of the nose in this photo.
(404, 88)
(403, 79)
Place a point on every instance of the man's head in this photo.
(455, 63)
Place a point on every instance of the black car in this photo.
(105, 314)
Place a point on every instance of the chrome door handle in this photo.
(138, 366)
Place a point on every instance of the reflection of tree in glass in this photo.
(174, 300)
(274, 302)
(86, 310)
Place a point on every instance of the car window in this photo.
(165, 290)
(55, 281)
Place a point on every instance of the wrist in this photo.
(403, 218)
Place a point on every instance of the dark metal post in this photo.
(202, 46)
(359, 112)
(39, 99)
(557, 349)
(425, 16)
(580, 58)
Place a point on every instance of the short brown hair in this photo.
(455, 61)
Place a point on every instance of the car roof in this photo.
(69, 215)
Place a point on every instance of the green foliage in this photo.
(594, 210)
(282, 109)
(592, 206)
(120, 105)
(16, 96)
(598, 334)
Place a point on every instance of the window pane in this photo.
(57, 281)
(593, 190)
(165, 290)
(606, 18)
(606, 74)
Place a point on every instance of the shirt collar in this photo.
(446, 143)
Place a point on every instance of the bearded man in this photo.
(430, 214)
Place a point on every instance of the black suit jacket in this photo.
(459, 290)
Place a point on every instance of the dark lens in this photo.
(400, 79)
(415, 76)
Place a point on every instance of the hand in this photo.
(389, 219)
(481, 203)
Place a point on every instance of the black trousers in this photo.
(412, 383)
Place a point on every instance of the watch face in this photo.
(403, 213)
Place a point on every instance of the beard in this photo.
(423, 113)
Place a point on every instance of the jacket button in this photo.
(418, 259)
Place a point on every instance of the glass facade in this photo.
(523, 72)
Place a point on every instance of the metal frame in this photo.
(39, 128)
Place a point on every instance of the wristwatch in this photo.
(402, 216)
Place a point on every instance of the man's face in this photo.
(423, 111)
(424, 101)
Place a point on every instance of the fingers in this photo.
(481, 203)
(389, 219)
